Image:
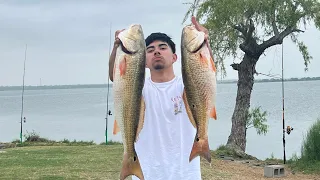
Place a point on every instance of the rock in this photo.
(228, 158)
(2, 146)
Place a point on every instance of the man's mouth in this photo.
(157, 59)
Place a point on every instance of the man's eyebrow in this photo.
(149, 47)
(163, 44)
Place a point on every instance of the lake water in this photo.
(80, 114)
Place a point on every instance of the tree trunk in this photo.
(246, 70)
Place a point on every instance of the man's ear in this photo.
(175, 57)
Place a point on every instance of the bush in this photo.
(309, 162)
(34, 137)
(111, 143)
(310, 149)
(228, 151)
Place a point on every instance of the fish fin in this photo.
(116, 128)
(123, 66)
(141, 120)
(184, 97)
(200, 148)
(212, 65)
(131, 166)
(208, 61)
(213, 113)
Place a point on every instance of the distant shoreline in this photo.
(78, 86)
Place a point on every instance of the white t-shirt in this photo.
(165, 142)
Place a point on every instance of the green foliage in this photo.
(268, 17)
(15, 141)
(273, 160)
(257, 119)
(311, 144)
(308, 167)
(34, 137)
(309, 162)
(111, 143)
(225, 151)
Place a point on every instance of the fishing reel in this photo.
(288, 129)
(24, 120)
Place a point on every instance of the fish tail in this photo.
(131, 166)
(200, 148)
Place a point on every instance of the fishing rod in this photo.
(108, 111)
(24, 71)
(288, 129)
(283, 123)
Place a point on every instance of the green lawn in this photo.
(61, 162)
(96, 162)
(72, 162)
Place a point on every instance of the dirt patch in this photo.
(245, 170)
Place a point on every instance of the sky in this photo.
(68, 41)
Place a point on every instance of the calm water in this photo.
(80, 114)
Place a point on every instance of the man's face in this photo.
(159, 56)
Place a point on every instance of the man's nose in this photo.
(156, 52)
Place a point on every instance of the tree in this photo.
(252, 26)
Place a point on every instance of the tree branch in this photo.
(241, 36)
(235, 66)
(274, 40)
(249, 126)
(245, 49)
(251, 29)
(240, 29)
(274, 25)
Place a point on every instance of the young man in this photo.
(167, 136)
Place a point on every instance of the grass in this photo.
(309, 162)
(61, 162)
(305, 166)
(93, 162)
(71, 162)
(40, 158)
(223, 150)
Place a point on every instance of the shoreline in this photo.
(80, 86)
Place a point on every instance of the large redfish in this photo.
(128, 82)
(199, 78)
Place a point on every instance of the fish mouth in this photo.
(194, 39)
(201, 45)
(131, 39)
(125, 50)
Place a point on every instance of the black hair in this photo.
(161, 37)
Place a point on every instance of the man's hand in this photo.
(112, 58)
(199, 27)
(116, 39)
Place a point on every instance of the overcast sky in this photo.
(68, 41)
